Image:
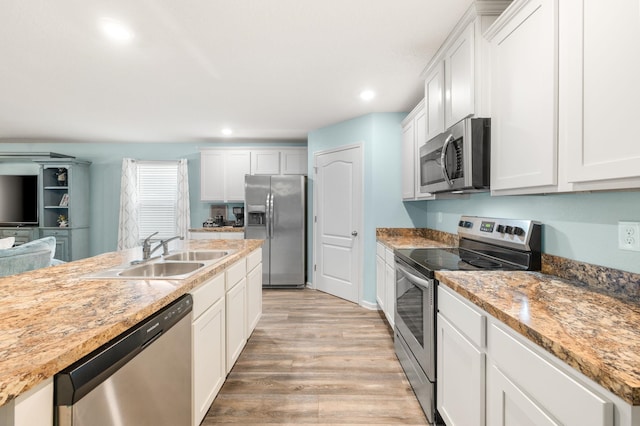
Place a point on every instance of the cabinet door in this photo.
(604, 69)
(237, 165)
(524, 99)
(254, 298)
(235, 322)
(390, 293)
(63, 243)
(209, 367)
(212, 175)
(265, 162)
(408, 161)
(459, 78)
(508, 405)
(433, 100)
(294, 162)
(461, 378)
(380, 279)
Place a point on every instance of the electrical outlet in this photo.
(629, 236)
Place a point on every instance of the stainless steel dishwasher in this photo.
(142, 377)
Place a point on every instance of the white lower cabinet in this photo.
(214, 235)
(380, 296)
(460, 362)
(34, 407)
(236, 298)
(386, 282)
(208, 340)
(490, 375)
(254, 290)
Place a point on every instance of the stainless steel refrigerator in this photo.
(275, 211)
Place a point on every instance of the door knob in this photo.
(354, 233)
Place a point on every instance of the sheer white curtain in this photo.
(183, 213)
(149, 191)
(128, 232)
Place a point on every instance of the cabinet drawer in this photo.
(553, 389)
(380, 250)
(55, 233)
(254, 259)
(207, 294)
(236, 272)
(389, 257)
(470, 321)
(16, 233)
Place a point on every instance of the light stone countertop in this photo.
(52, 317)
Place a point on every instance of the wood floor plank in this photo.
(316, 359)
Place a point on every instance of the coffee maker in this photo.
(238, 212)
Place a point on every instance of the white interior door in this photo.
(338, 211)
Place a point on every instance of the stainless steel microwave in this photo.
(458, 159)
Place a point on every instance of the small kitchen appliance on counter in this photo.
(485, 244)
(238, 212)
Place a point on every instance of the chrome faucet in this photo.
(147, 251)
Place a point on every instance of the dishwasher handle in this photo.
(74, 382)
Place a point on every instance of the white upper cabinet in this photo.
(265, 162)
(434, 101)
(524, 98)
(414, 135)
(293, 161)
(457, 79)
(602, 88)
(459, 75)
(222, 174)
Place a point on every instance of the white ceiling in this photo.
(269, 69)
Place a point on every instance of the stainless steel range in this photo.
(484, 244)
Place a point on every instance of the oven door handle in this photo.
(414, 278)
(443, 159)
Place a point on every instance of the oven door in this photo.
(415, 315)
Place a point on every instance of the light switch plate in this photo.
(629, 235)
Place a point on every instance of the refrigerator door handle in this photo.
(272, 216)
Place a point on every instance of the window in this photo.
(157, 198)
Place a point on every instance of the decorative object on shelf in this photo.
(61, 174)
(62, 221)
(64, 201)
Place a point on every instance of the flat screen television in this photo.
(18, 200)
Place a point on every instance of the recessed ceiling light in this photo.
(227, 131)
(367, 95)
(115, 30)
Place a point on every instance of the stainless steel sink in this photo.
(198, 255)
(161, 270)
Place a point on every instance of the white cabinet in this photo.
(236, 315)
(222, 174)
(380, 276)
(434, 101)
(524, 132)
(254, 290)
(459, 78)
(386, 282)
(460, 361)
(34, 407)
(414, 135)
(265, 162)
(277, 161)
(600, 66)
(208, 340)
(541, 393)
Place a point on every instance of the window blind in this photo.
(157, 198)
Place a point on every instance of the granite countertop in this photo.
(52, 317)
(594, 333)
(585, 324)
(219, 229)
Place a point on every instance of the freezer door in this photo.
(288, 231)
(257, 193)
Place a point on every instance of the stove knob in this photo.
(500, 229)
(518, 231)
(508, 230)
(468, 224)
(461, 224)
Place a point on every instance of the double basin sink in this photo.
(177, 265)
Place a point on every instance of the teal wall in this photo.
(380, 135)
(580, 226)
(106, 164)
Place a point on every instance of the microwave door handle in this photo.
(443, 157)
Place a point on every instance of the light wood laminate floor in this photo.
(316, 359)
